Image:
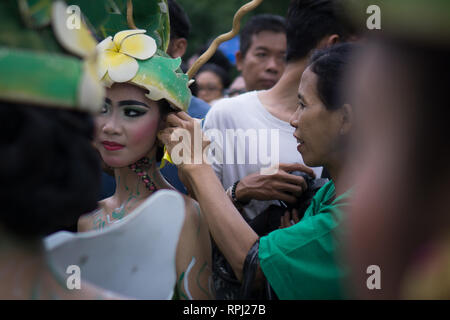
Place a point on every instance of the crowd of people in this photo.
(303, 177)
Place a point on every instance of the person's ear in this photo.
(328, 41)
(332, 40)
(161, 124)
(177, 47)
(239, 59)
(347, 118)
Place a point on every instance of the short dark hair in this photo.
(219, 71)
(257, 24)
(49, 170)
(309, 21)
(180, 25)
(330, 66)
(218, 58)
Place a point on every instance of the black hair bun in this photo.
(49, 171)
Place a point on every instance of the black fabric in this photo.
(269, 220)
(249, 273)
(227, 286)
(248, 289)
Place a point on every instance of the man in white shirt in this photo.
(309, 26)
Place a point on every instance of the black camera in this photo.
(304, 200)
(269, 219)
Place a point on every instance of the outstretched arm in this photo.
(231, 233)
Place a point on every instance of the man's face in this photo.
(264, 62)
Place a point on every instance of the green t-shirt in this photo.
(300, 262)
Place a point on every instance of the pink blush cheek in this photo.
(143, 133)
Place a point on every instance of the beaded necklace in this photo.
(139, 169)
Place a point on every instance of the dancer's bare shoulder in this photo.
(94, 220)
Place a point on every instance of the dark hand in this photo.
(289, 219)
(279, 186)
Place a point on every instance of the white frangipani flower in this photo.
(118, 55)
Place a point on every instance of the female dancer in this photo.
(141, 83)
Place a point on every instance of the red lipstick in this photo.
(112, 146)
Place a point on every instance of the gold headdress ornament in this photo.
(130, 19)
(246, 8)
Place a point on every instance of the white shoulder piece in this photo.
(135, 257)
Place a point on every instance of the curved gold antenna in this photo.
(130, 19)
(246, 8)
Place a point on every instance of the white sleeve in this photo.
(214, 131)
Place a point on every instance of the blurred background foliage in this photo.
(210, 18)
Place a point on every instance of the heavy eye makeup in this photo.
(133, 109)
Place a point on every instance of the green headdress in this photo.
(137, 56)
(34, 65)
(133, 56)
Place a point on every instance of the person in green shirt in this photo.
(300, 261)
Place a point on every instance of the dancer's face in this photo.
(127, 125)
